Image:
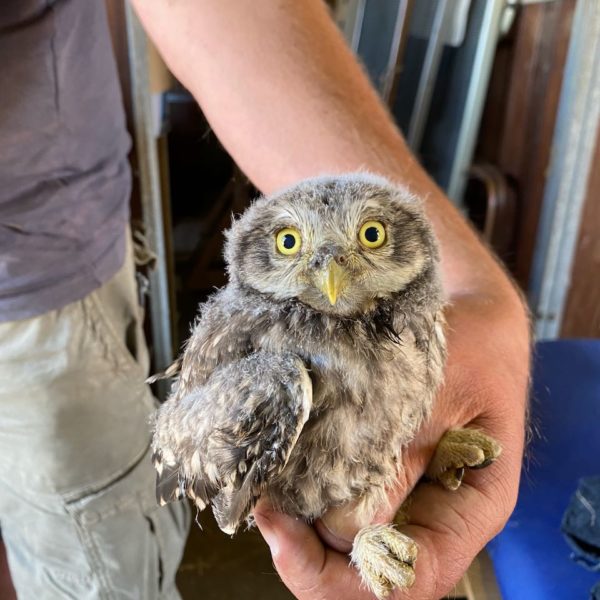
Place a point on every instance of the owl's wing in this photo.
(220, 335)
(224, 441)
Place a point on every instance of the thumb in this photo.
(297, 552)
(306, 567)
(339, 525)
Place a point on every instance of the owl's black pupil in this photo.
(289, 241)
(372, 234)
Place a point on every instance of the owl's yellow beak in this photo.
(333, 281)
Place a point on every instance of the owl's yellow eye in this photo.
(288, 241)
(372, 234)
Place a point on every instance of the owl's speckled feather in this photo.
(283, 393)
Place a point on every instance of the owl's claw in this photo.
(460, 449)
(384, 558)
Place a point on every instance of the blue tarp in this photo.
(531, 557)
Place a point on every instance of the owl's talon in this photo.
(385, 558)
(460, 449)
(484, 464)
(451, 479)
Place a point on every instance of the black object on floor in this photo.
(581, 523)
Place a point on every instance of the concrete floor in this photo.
(217, 567)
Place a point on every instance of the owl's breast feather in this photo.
(372, 388)
(363, 412)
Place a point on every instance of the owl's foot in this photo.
(460, 449)
(384, 558)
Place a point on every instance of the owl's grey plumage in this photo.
(280, 387)
(305, 376)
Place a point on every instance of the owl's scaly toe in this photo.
(384, 558)
(460, 449)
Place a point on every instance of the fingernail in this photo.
(268, 532)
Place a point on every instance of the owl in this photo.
(308, 373)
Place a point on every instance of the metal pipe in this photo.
(477, 90)
(149, 173)
(431, 65)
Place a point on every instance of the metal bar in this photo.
(349, 15)
(431, 65)
(396, 50)
(576, 132)
(478, 85)
(358, 23)
(149, 173)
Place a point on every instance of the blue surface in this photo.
(531, 557)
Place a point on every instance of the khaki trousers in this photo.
(77, 509)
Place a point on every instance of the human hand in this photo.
(485, 387)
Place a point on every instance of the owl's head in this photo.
(337, 244)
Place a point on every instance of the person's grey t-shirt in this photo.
(64, 174)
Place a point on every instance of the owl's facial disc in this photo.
(338, 245)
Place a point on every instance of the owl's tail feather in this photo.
(231, 506)
(168, 484)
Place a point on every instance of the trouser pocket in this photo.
(133, 546)
(114, 543)
(74, 409)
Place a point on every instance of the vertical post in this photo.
(149, 174)
(428, 77)
(485, 50)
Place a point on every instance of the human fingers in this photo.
(309, 570)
